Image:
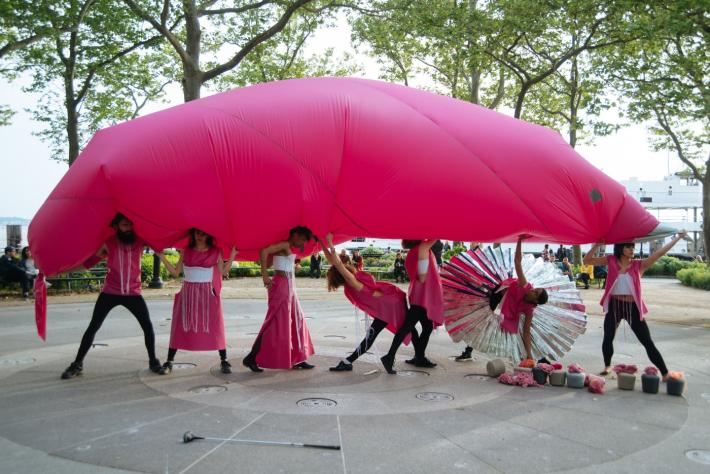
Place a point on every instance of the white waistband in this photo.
(198, 274)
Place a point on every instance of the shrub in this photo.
(670, 266)
(697, 277)
(453, 252)
(147, 267)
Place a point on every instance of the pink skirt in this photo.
(285, 340)
(198, 322)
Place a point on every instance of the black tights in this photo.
(375, 328)
(628, 310)
(172, 351)
(419, 341)
(104, 304)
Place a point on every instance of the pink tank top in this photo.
(429, 294)
(634, 271)
(124, 267)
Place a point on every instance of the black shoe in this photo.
(466, 354)
(424, 363)
(303, 365)
(166, 368)
(543, 360)
(388, 362)
(225, 367)
(251, 363)
(154, 366)
(342, 367)
(72, 371)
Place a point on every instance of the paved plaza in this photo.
(120, 417)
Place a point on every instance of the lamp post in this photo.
(156, 282)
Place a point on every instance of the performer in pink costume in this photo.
(386, 303)
(283, 341)
(425, 300)
(198, 322)
(121, 288)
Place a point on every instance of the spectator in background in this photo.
(447, 247)
(561, 253)
(699, 258)
(357, 260)
(344, 257)
(437, 249)
(546, 253)
(315, 265)
(399, 268)
(567, 268)
(27, 263)
(12, 272)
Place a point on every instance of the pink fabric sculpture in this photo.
(332, 154)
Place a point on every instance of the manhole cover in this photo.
(252, 334)
(17, 361)
(434, 396)
(316, 403)
(99, 345)
(706, 396)
(335, 336)
(183, 365)
(203, 389)
(699, 456)
(475, 376)
(412, 373)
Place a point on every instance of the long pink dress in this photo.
(284, 337)
(390, 307)
(198, 322)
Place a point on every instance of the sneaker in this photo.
(166, 368)
(466, 354)
(342, 367)
(72, 371)
(303, 365)
(225, 367)
(154, 366)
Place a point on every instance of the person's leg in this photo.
(527, 343)
(375, 328)
(466, 354)
(643, 334)
(136, 305)
(224, 366)
(168, 365)
(409, 321)
(19, 276)
(427, 328)
(610, 324)
(250, 359)
(104, 304)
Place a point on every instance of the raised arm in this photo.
(264, 255)
(424, 248)
(334, 260)
(590, 259)
(646, 263)
(175, 270)
(522, 281)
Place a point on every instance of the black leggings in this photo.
(172, 351)
(628, 310)
(419, 341)
(105, 303)
(375, 328)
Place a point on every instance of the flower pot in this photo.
(626, 381)
(575, 380)
(539, 375)
(495, 367)
(522, 369)
(558, 378)
(675, 387)
(649, 383)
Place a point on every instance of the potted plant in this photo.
(626, 376)
(525, 365)
(596, 384)
(540, 372)
(495, 367)
(558, 376)
(575, 376)
(675, 384)
(650, 380)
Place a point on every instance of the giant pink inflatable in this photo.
(350, 156)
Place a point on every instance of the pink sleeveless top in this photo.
(428, 295)
(514, 305)
(634, 271)
(392, 298)
(124, 267)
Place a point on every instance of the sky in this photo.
(29, 174)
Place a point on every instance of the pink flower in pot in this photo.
(626, 379)
(650, 380)
(675, 384)
(596, 384)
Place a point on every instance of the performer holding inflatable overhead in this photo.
(283, 341)
(121, 288)
(386, 303)
(622, 297)
(198, 322)
(426, 303)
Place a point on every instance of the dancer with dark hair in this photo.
(384, 302)
(284, 341)
(622, 297)
(426, 303)
(198, 322)
(121, 288)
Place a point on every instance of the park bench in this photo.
(97, 274)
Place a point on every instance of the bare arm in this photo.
(334, 260)
(175, 270)
(264, 254)
(224, 268)
(590, 259)
(522, 281)
(646, 263)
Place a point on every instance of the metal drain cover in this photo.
(698, 455)
(183, 365)
(17, 361)
(476, 376)
(412, 373)
(335, 336)
(316, 403)
(435, 397)
(205, 389)
(99, 345)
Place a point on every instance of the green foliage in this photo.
(697, 277)
(147, 267)
(454, 251)
(670, 266)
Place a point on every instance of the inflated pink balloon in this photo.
(350, 156)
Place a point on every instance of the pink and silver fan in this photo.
(474, 283)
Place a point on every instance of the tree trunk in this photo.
(520, 100)
(706, 213)
(72, 129)
(192, 76)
